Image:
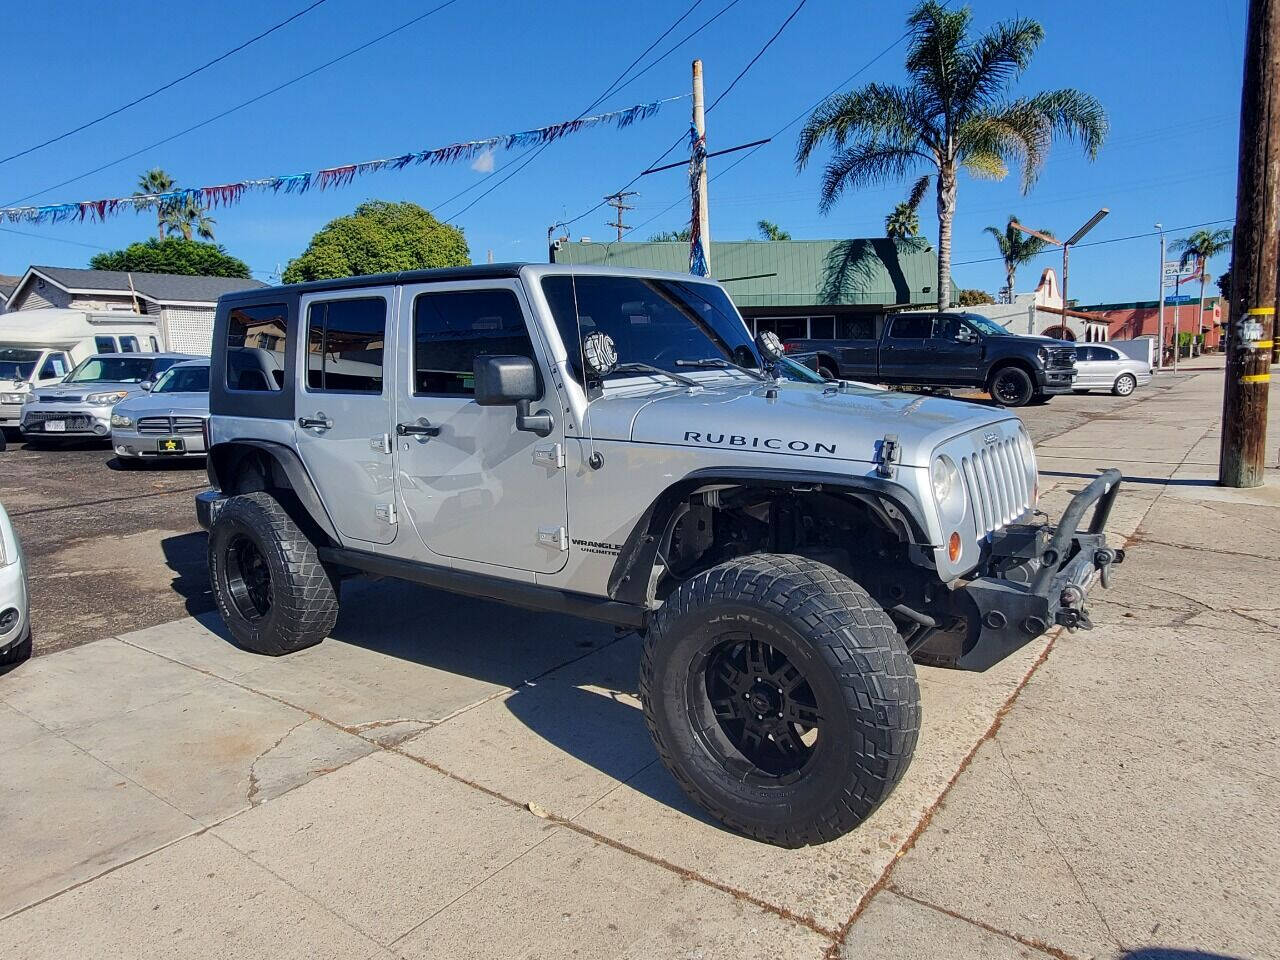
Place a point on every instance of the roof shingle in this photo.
(164, 287)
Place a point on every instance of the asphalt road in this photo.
(111, 550)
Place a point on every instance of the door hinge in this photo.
(386, 512)
(381, 443)
(556, 537)
(549, 455)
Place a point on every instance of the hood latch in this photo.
(888, 456)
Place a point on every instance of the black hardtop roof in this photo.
(482, 271)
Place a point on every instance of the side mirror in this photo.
(147, 384)
(511, 381)
(965, 335)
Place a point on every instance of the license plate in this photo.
(55, 426)
(171, 445)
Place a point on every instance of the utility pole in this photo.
(1160, 315)
(700, 244)
(1254, 252)
(618, 202)
(1177, 325)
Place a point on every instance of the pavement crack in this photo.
(254, 786)
(1031, 942)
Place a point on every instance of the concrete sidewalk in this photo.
(411, 788)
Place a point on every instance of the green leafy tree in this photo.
(1199, 248)
(672, 236)
(151, 182)
(902, 223)
(952, 114)
(1016, 248)
(973, 298)
(771, 231)
(380, 237)
(174, 255)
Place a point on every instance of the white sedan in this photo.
(15, 621)
(1099, 367)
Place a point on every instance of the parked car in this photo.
(1101, 367)
(15, 617)
(169, 421)
(946, 350)
(613, 444)
(80, 406)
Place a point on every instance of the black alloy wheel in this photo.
(248, 578)
(1012, 387)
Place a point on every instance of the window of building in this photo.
(344, 345)
(251, 365)
(104, 345)
(857, 328)
(451, 329)
(787, 328)
(822, 328)
(129, 345)
(911, 328)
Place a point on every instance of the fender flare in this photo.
(224, 456)
(629, 578)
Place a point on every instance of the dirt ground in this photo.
(111, 550)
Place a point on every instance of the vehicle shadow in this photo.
(185, 555)
(175, 465)
(1172, 953)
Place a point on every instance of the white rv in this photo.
(39, 347)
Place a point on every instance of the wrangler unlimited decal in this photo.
(768, 443)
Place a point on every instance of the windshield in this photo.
(183, 380)
(985, 325)
(112, 370)
(655, 322)
(18, 364)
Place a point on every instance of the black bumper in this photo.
(1040, 577)
(208, 503)
(1055, 380)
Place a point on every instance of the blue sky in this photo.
(1170, 84)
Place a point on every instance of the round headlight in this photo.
(947, 489)
(120, 420)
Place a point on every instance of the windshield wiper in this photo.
(715, 363)
(649, 368)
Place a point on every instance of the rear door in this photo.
(343, 409)
(905, 352)
(858, 348)
(475, 488)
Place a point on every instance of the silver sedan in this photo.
(168, 422)
(1099, 367)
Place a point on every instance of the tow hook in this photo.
(1073, 615)
(1103, 558)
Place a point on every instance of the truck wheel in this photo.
(270, 586)
(781, 698)
(1012, 387)
(1124, 385)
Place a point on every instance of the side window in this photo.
(857, 328)
(104, 345)
(55, 365)
(451, 329)
(822, 328)
(155, 345)
(1086, 353)
(911, 328)
(255, 347)
(129, 345)
(344, 345)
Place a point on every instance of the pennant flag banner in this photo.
(228, 193)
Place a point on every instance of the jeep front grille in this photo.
(997, 479)
(169, 425)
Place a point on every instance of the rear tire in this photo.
(780, 697)
(1012, 387)
(273, 592)
(1125, 384)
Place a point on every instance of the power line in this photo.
(172, 83)
(240, 106)
(45, 236)
(1098, 243)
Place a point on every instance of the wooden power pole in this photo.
(1254, 255)
(700, 221)
(618, 202)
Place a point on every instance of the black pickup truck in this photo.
(942, 350)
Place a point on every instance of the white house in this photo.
(184, 305)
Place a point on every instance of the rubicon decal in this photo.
(759, 443)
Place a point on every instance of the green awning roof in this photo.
(789, 273)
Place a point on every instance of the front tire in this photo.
(1012, 387)
(1124, 385)
(781, 698)
(274, 594)
(826, 372)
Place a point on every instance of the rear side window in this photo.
(911, 328)
(345, 345)
(129, 345)
(451, 329)
(104, 345)
(255, 347)
(155, 345)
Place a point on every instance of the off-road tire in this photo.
(303, 597)
(1125, 384)
(862, 679)
(1011, 387)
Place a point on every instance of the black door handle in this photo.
(422, 428)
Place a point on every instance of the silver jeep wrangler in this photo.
(613, 444)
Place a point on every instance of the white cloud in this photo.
(483, 163)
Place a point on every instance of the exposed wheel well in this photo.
(239, 467)
(1022, 365)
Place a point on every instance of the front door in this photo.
(343, 410)
(905, 354)
(956, 351)
(473, 486)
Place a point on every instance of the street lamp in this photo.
(1066, 248)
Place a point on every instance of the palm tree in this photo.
(953, 114)
(1200, 247)
(902, 222)
(150, 183)
(1016, 248)
(185, 217)
(771, 231)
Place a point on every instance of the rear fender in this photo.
(242, 466)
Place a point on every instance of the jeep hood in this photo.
(790, 419)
